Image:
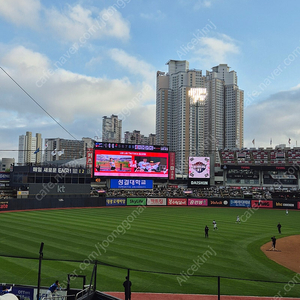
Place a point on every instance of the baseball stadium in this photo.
(90, 230)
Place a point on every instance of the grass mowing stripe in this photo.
(164, 239)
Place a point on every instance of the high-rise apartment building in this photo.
(195, 114)
(63, 149)
(30, 148)
(111, 129)
(135, 137)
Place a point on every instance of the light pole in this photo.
(39, 273)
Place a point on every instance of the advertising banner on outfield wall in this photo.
(3, 205)
(218, 202)
(262, 203)
(23, 293)
(240, 203)
(156, 201)
(59, 295)
(285, 204)
(115, 201)
(136, 201)
(298, 205)
(177, 201)
(197, 202)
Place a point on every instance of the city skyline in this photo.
(198, 113)
(83, 60)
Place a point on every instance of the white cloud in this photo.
(276, 117)
(158, 16)
(21, 12)
(202, 3)
(73, 23)
(67, 96)
(78, 24)
(197, 4)
(133, 65)
(297, 87)
(211, 51)
(94, 61)
(21, 57)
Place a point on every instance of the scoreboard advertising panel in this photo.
(130, 163)
(199, 167)
(131, 184)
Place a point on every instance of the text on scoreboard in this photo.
(131, 184)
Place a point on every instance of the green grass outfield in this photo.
(158, 239)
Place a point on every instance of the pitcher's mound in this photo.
(287, 253)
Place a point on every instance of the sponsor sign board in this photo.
(240, 203)
(218, 202)
(59, 295)
(285, 204)
(197, 202)
(172, 166)
(23, 293)
(156, 201)
(198, 183)
(131, 184)
(59, 170)
(3, 205)
(115, 201)
(177, 201)
(136, 201)
(262, 203)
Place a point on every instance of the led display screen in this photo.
(199, 167)
(129, 163)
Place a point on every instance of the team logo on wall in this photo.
(199, 167)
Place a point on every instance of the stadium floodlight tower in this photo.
(197, 98)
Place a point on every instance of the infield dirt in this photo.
(287, 253)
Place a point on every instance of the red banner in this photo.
(172, 166)
(177, 201)
(298, 205)
(89, 159)
(3, 205)
(262, 203)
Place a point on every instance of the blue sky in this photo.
(82, 60)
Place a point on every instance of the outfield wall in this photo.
(81, 202)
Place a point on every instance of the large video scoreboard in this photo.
(130, 160)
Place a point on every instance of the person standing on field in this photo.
(206, 231)
(127, 287)
(273, 238)
(215, 225)
(279, 228)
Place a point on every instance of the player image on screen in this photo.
(144, 165)
(154, 167)
(133, 165)
(151, 164)
(112, 164)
